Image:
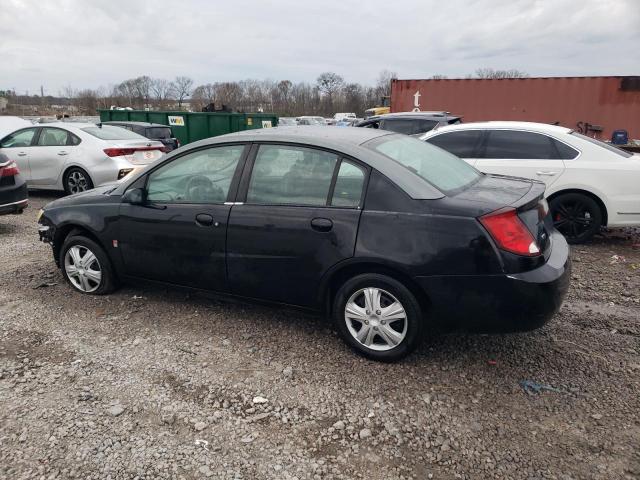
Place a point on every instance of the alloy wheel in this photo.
(83, 268)
(573, 219)
(376, 319)
(77, 182)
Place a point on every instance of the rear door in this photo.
(54, 147)
(462, 143)
(19, 147)
(523, 154)
(298, 215)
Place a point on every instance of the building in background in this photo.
(592, 105)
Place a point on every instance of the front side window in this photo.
(21, 138)
(348, 188)
(441, 169)
(462, 143)
(289, 175)
(53, 137)
(203, 176)
(512, 144)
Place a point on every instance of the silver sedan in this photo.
(77, 157)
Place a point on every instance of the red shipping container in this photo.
(593, 105)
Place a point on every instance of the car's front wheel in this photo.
(86, 267)
(76, 180)
(378, 317)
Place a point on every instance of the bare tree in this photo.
(203, 95)
(181, 88)
(492, 73)
(439, 76)
(161, 91)
(383, 83)
(329, 83)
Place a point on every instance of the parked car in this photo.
(77, 157)
(590, 183)
(154, 131)
(341, 116)
(310, 120)
(410, 123)
(287, 122)
(13, 188)
(382, 231)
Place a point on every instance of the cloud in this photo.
(88, 43)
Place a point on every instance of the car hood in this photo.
(96, 195)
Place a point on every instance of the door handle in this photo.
(321, 224)
(204, 220)
(546, 174)
(63, 153)
(22, 154)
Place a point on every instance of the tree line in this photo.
(329, 94)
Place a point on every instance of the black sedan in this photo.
(13, 188)
(387, 234)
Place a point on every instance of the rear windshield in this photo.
(158, 132)
(110, 132)
(445, 171)
(408, 126)
(611, 148)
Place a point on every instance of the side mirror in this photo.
(135, 196)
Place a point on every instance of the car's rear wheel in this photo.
(86, 266)
(578, 217)
(76, 180)
(378, 317)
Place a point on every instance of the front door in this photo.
(18, 147)
(299, 217)
(179, 235)
(523, 154)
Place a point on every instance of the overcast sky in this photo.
(89, 43)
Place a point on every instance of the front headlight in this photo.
(40, 212)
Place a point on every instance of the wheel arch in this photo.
(64, 231)
(342, 272)
(79, 167)
(596, 198)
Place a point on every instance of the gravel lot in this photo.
(154, 383)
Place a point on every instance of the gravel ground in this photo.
(153, 383)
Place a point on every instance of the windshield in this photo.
(611, 148)
(109, 132)
(443, 170)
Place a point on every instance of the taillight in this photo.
(508, 231)
(118, 152)
(9, 170)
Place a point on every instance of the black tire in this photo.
(76, 180)
(415, 324)
(108, 281)
(577, 216)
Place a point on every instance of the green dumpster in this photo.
(192, 126)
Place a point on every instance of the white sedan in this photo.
(589, 183)
(76, 157)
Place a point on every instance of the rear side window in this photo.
(445, 171)
(108, 132)
(611, 148)
(462, 143)
(512, 144)
(291, 175)
(348, 188)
